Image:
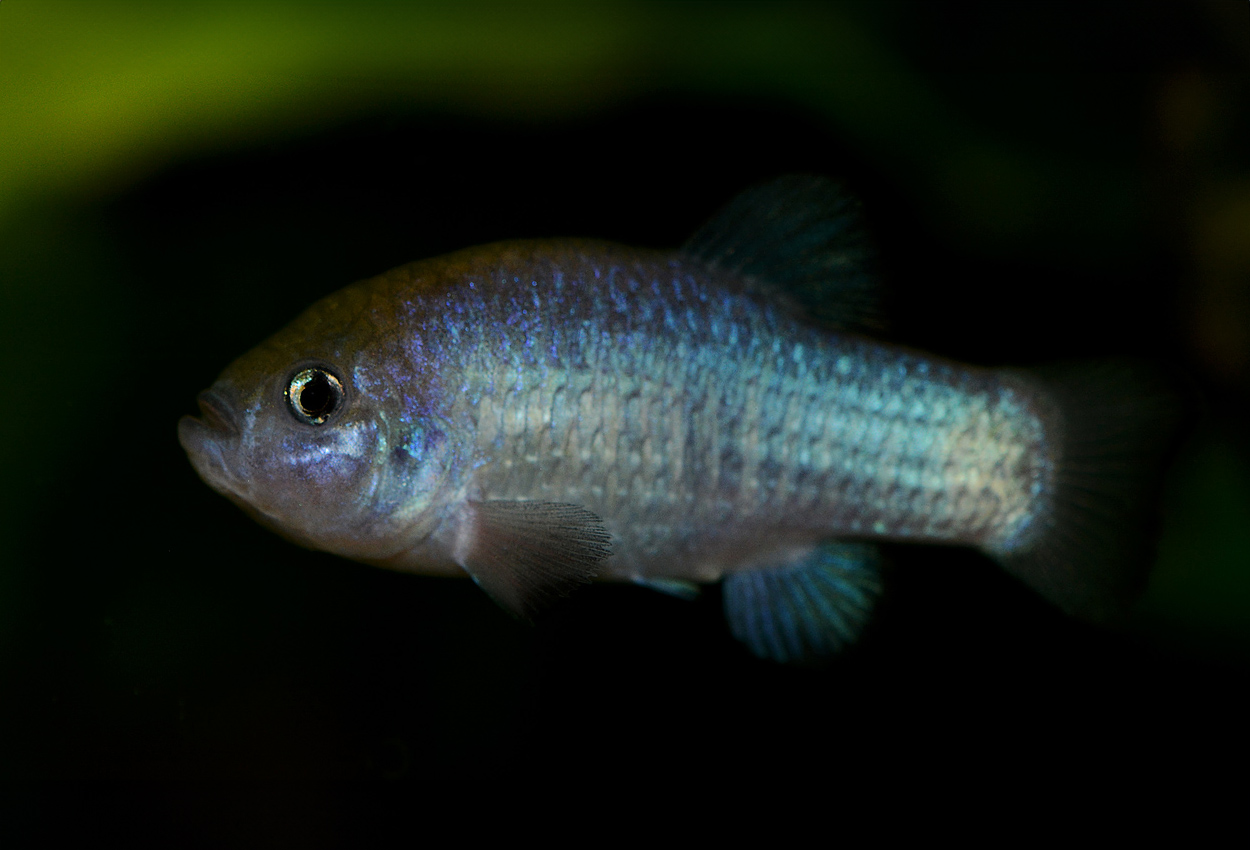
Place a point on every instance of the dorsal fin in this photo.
(800, 238)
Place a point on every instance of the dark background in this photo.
(1075, 186)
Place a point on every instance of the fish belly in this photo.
(714, 434)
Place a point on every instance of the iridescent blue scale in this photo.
(697, 446)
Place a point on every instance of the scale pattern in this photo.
(710, 428)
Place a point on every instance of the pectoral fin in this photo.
(526, 553)
(802, 611)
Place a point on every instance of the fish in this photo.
(536, 414)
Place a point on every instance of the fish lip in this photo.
(199, 440)
(209, 440)
(217, 413)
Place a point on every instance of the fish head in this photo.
(323, 443)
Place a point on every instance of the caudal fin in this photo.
(1091, 549)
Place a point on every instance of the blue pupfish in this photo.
(534, 414)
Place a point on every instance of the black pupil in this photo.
(317, 397)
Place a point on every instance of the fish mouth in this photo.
(205, 439)
(216, 413)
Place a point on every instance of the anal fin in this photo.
(807, 610)
(524, 554)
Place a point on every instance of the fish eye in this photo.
(313, 395)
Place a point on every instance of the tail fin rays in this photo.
(1090, 549)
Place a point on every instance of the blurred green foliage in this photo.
(96, 95)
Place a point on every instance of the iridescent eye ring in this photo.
(313, 395)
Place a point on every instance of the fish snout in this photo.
(208, 439)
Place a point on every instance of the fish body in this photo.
(533, 413)
(698, 422)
